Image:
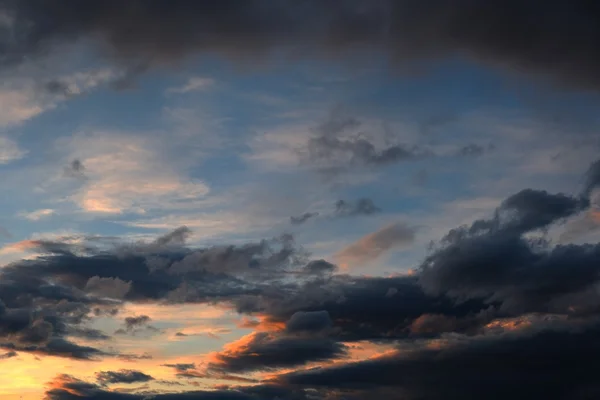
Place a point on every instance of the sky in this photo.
(299, 200)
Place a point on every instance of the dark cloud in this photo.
(135, 357)
(562, 45)
(58, 347)
(176, 237)
(320, 267)
(362, 206)
(309, 321)
(181, 367)
(494, 260)
(122, 376)
(302, 218)
(270, 350)
(360, 308)
(135, 322)
(551, 364)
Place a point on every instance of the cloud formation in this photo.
(562, 45)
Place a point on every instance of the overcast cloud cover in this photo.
(299, 200)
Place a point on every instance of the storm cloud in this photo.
(562, 44)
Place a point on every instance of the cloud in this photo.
(109, 287)
(495, 260)
(311, 321)
(163, 32)
(10, 151)
(193, 84)
(592, 179)
(117, 165)
(23, 98)
(268, 350)
(135, 322)
(75, 169)
(374, 245)
(122, 376)
(67, 387)
(303, 218)
(332, 152)
(362, 206)
(493, 368)
(38, 214)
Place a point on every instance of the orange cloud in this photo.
(261, 323)
(374, 245)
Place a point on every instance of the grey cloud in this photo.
(109, 287)
(302, 218)
(135, 322)
(122, 376)
(494, 260)
(309, 321)
(562, 45)
(181, 367)
(363, 206)
(75, 169)
(333, 151)
(320, 267)
(176, 237)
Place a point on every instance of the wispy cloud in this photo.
(193, 84)
(372, 246)
(38, 214)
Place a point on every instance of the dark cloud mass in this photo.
(562, 44)
(548, 365)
